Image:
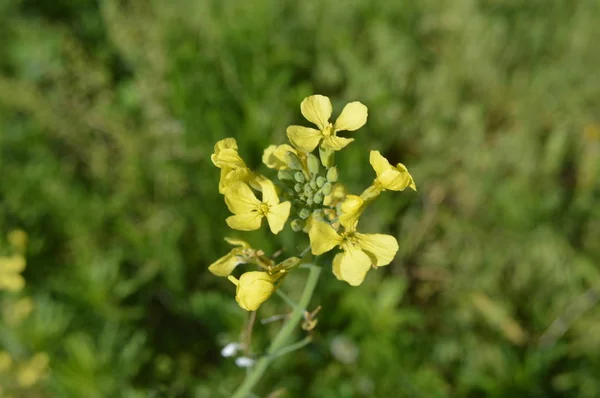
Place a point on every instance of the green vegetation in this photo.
(108, 114)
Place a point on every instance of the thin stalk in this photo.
(279, 342)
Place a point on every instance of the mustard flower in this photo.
(317, 109)
(253, 288)
(238, 255)
(389, 177)
(249, 211)
(10, 270)
(359, 251)
(233, 168)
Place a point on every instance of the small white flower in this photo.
(244, 362)
(230, 349)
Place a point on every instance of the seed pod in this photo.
(304, 214)
(318, 198)
(297, 225)
(299, 176)
(321, 181)
(313, 164)
(327, 188)
(332, 175)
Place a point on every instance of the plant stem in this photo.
(282, 337)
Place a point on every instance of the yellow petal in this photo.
(238, 242)
(13, 264)
(352, 208)
(240, 199)
(351, 265)
(231, 177)
(322, 237)
(380, 248)
(379, 163)
(277, 216)
(353, 116)
(336, 143)
(253, 289)
(316, 109)
(245, 222)
(227, 158)
(397, 179)
(275, 156)
(304, 138)
(226, 143)
(225, 265)
(269, 194)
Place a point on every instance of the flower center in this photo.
(328, 130)
(264, 209)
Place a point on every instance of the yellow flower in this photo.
(249, 211)
(276, 156)
(317, 109)
(253, 289)
(10, 268)
(238, 255)
(359, 251)
(390, 177)
(233, 168)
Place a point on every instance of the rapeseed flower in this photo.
(233, 168)
(240, 254)
(393, 178)
(278, 156)
(317, 110)
(359, 251)
(249, 211)
(253, 288)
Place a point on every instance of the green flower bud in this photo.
(304, 214)
(332, 174)
(318, 198)
(299, 176)
(293, 161)
(319, 214)
(321, 181)
(307, 188)
(313, 184)
(298, 187)
(285, 175)
(327, 157)
(313, 164)
(297, 225)
(309, 201)
(327, 188)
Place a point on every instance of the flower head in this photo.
(359, 251)
(389, 177)
(233, 168)
(317, 109)
(10, 270)
(277, 156)
(253, 289)
(249, 211)
(240, 254)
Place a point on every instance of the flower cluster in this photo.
(308, 192)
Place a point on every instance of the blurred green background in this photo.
(109, 110)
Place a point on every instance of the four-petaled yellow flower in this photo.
(317, 109)
(390, 177)
(10, 270)
(249, 211)
(359, 251)
(253, 288)
(233, 168)
(238, 255)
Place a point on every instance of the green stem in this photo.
(282, 337)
